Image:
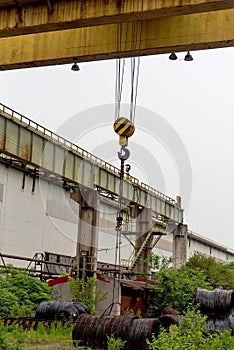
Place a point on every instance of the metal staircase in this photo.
(131, 263)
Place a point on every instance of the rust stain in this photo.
(26, 153)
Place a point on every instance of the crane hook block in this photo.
(124, 127)
(124, 154)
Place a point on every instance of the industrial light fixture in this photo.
(75, 67)
(173, 56)
(188, 57)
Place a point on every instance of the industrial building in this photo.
(58, 207)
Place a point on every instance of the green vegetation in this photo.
(191, 334)
(115, 344)
(216, 273)
(20, 293)
(16, 338)
(177, 287)
(85, 291)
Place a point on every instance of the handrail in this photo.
(46, 133)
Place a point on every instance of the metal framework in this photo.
(20, 17)
(44, 153)
(38, 266)
(40, 33)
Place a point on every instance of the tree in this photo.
(177, 287)
(173, 287)
(217, 273)
(85, 291)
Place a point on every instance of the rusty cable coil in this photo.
(218, 301)
(218, 306)
(220, 324)
(60, 310)
(93, 330)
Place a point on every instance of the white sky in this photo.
(194, 98)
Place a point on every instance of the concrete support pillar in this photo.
(180, 245)
(178, 201)
(143, 226)
(88, 223)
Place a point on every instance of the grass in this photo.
(44, 338)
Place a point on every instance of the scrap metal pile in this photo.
(93, 330)
(218, 306)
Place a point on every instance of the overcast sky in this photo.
(192, 100)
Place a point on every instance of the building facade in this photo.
(40, 217)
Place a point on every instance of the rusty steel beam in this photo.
(43, 16)
(190, 32)
(24, 258)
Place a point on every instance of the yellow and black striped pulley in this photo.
(124, 128)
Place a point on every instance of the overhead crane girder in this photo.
(163, 35)
(36, 16)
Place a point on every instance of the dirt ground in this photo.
(52, 346)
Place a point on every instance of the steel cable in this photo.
(93, 331)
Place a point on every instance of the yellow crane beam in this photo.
(30, 17)
(189, 32)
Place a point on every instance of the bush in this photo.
(174, 287)
(20, 293)
(8, 303)
(115, 344)
(191, 334)
(85, 290)
(177, 287)
(216, 273)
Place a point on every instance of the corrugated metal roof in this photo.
(136, 285)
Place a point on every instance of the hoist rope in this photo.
(120, 70)
(135, 68)
(135, 65)
(120, 65)
(117, 249)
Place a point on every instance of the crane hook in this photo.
(124, 154)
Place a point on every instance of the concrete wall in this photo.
(46, 220)
(107, 286)
(61, 292)
(39, 221)
(194, 246)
